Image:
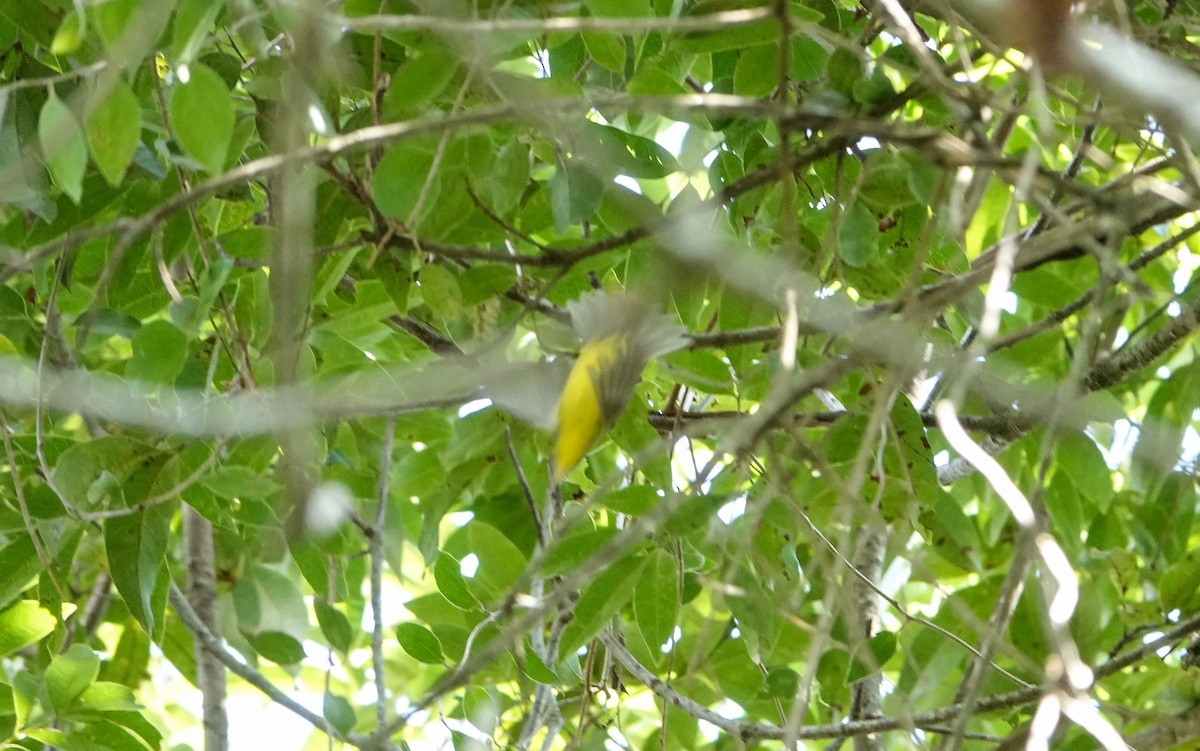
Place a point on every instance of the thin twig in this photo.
(213, 644)
(525, 488)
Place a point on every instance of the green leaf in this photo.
(619, 8)
(69, 674)
(953, 533)
(440, 291)
(420, 643)
(400, 178)
(704, 370)
(202, 116)
(339, 712)
(599, 602)
(500, 562)
(606, 49)
(1171, 514)
(229, 68)
(395, 273)
(728, 38)
(572, 550)
(734, 672)
(1066, 508)
(276, 646)
(419, 474)
(873, 89)
(250, 243)
(63, 146)
(128, 664)
(533, 667)
(509, 177)
(19, 565)
(334, 625)
(84, 471)
(885, 186)
(650, 81)
(269, 601)
(159, 352)
(26, 690)
(845, 70)
(192, 315)
(107, 735)
(575, 194)
(447, 572)
(883, 646)
(114, 17)
(56, 739)
(103, 696)
(70, 33)
(922, 177)
(23, 623)
(757, 71)
(633, 500)
(239, 481)
(808, 58)
(1080, 458)
(178, 647)
(136, 546)
(481, 708)
(781, 683)
(419, 81)
(858, 236)
(114, 128)
(1179, 585)
(614, 151)
(656, 599)
(193, 23)
(481, 283)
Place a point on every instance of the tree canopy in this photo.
(923, 473)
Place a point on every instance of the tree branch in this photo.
(202, 591)
(212, 643)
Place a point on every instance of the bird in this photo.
(621, 333)
(578, 400)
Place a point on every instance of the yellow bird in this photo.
(620, 334)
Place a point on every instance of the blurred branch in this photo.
(13, 261)
(395, 391)
(698, 423)
(487, 27)
(86, 71)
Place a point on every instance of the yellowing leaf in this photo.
(69, 35)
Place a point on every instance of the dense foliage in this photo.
(925, 470)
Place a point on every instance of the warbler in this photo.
(620, 334)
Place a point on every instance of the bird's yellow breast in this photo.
(580, 415)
